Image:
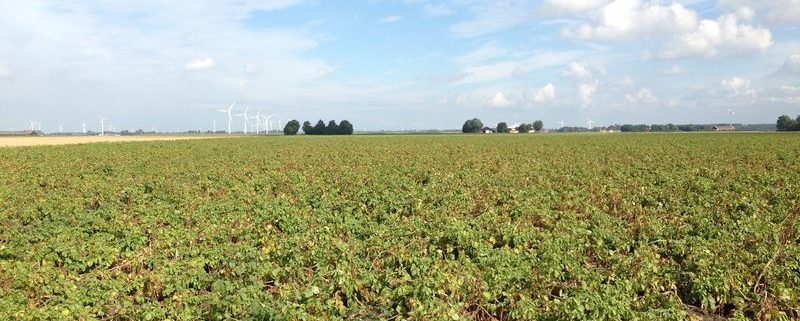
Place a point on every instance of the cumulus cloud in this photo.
(738, 86)
(544, 94)
(712, 36)
(586, 91)
(631, 19)
(790, 67)
(500, 100)
(578, 70)
(390, 19)
(778, 12)
(643, 96)
(200, 64)
(587, 84)
(786, 94)
(688, 34)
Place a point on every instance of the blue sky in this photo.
(403, 64)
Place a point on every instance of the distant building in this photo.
(513, 130)
(723, 128)
(21, 133)
(487, 130)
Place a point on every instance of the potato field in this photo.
(440, 227)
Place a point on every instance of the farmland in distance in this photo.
(507, 227)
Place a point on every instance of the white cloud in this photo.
(712, 36)
(491, 16)
(586, 83)
(586, 92)
(643, 96)
(579, 71)
(554, 7)
(200, 64)
(738, 86)
(780, 12)
(438, 10)
(390, 19)
(146, 45)
(500, 100)
(512, 68)
(675, 70)
(689, 35)
(486, 51)
(545, 94)
(632, 19)
(786, 94)
(4, 71)
(790, 67)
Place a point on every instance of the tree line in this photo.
(787, 124)
(475, 125)
(320, 128)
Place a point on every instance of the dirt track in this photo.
(67, 140)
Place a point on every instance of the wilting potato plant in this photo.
(505, 227)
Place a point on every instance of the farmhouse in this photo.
(722, 128)
(514, 130)
(11, 133)
(487, 130)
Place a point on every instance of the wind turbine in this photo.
(562, 122)
(258, 121)
(60, 129)
(102, 125)
(230, 117)
(590, 122)
(33, 124)
(267, 122)
(732, 113)
(246, 121)
(83, 126)
(214, 120)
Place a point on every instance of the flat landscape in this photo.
(71, 140)
(483, 227)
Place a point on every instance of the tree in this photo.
(538, 125)
(332, 128)
(291, 127)
(786, 123)
(345, 128)
(472, 126)
(307, 129)
(525, 128)
(319, 128)
(502, 127)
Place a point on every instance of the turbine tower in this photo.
(590, 122)
(258, 121)
(246, 121)
(267, 122)
(732, 113)
(230, 117)
(102, 125)
(562, 122)
(83, 126)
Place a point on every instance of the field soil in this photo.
(71, 140)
